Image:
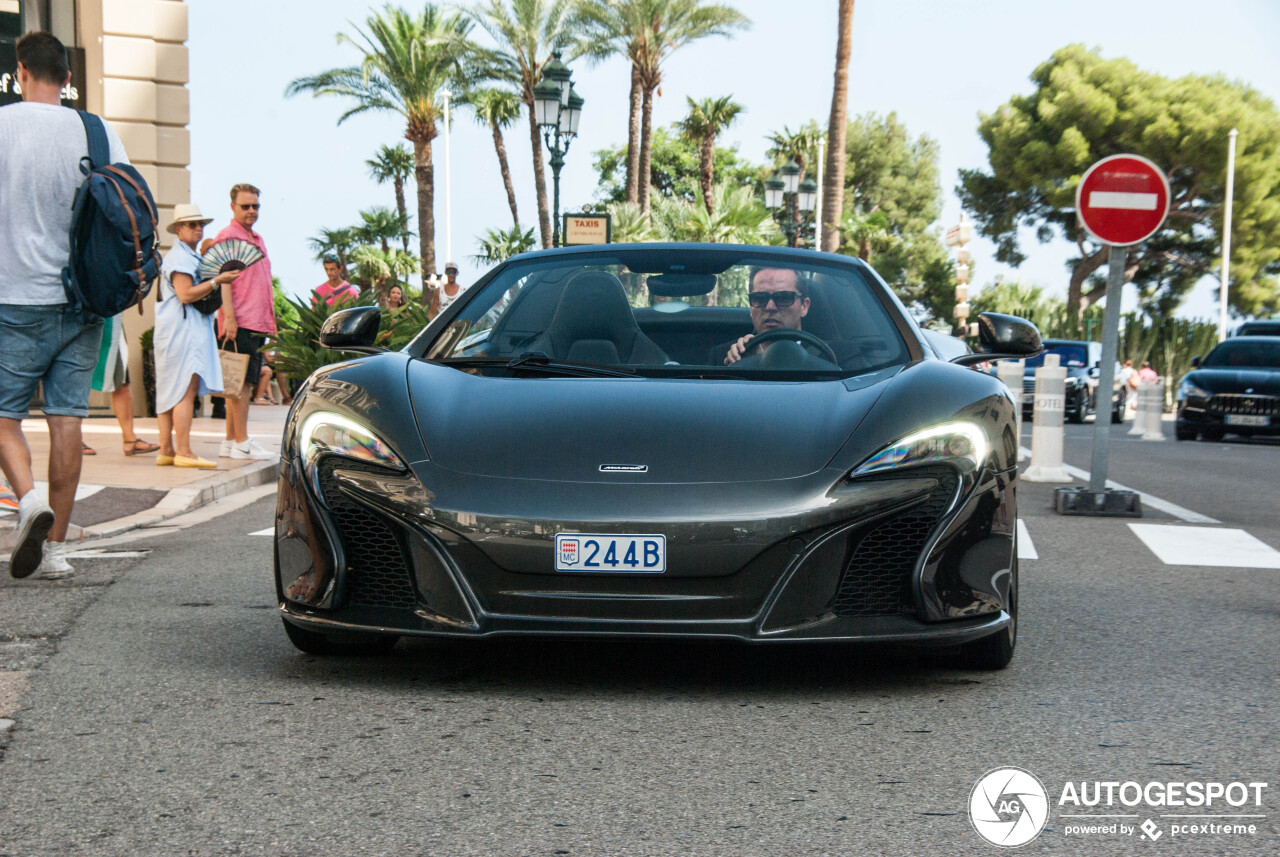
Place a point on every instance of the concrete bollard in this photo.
(1140, 412)
(1047, 433)
(1012, 372)
(1154, 418)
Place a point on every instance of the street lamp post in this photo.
(558, 108)
(797, 199)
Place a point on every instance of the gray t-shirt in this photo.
(40, 150)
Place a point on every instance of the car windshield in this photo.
(674, 313)
(1244, 354)
(1070, 355)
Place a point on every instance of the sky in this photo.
(938, 64)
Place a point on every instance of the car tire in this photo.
(1118, 409)
(995, 651)
(1184, 432)
(346, 643)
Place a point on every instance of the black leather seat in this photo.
(594, 324)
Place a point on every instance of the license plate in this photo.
(1247, 420)
(600, 553)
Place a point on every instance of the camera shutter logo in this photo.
(1008, 807)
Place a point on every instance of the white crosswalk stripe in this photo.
(1222, 547)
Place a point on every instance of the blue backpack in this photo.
(114, 256)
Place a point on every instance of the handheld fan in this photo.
(230, 255)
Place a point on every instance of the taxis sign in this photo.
(587, 228)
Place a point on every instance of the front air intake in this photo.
(377, 565)
(877, 580)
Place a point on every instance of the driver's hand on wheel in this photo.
(738, 349)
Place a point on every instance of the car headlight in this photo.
(963, 445)
(324, 432)
(1188, 389)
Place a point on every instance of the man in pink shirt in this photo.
(335, 288)
(247, 318)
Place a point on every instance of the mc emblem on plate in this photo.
(568, 552)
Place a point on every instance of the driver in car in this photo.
(779, 299)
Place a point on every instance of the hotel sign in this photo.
(10, 93)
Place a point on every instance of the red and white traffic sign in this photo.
(1123, 199)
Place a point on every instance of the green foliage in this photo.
(297, 347)
(674, 171)
(285, 315)
(146, 341)
(1083, 108)
(498, 245)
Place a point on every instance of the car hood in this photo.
(680, 430)
(1263, 382)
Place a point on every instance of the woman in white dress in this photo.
(186, 348)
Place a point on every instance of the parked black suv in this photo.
(1082, 360)
(1267, 327)
(1234, 388)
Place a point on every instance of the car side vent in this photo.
(877, 580)
(377, 567)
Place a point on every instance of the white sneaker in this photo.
(225, 450)
(35, 520)
(251, 449)
(54, 566)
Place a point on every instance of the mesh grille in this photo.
(377, 569)
(1241, 403)
(877, 581)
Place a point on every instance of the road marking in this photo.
(99, 553)
(1172, 509)
(1224, 547)
(1026, 548)
(269, 531)
(1127, 201)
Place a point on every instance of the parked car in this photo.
(1234, 389)
(566, 450)
(1267, 327)
(1082, 360)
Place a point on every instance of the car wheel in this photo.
(995, 651)
(1117, 410)
(317, 643)
(1184, 432)
(1076, 415)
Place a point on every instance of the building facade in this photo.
(130, 66)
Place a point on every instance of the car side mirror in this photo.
(353, 329)
(1003, 337)
(1195, 362)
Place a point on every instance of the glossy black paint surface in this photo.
(749, 482)
(352, 329)
(1251, 390)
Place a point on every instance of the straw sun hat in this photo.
(187, 213)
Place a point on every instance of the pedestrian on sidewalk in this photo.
(335, 287)
(1146, 374)
(247, 318)
(111, 375)
(446, 292)
(43, 338)
(396, 298)
(186, 351)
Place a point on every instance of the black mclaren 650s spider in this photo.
(657, 440)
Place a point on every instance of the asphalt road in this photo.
(166, 713)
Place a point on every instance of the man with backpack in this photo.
(43, 336)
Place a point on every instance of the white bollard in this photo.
(1140, 412)
(1047, 433)
(1012, 372)
(1154, 428)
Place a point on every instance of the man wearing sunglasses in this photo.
(779, 299)
(247, 318)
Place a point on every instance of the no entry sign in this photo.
(1123, 199)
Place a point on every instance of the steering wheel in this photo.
(807, 339)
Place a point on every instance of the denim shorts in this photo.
(53, 344)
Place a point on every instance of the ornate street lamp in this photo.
(558, 109)
(796, 198)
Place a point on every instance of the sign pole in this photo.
(1107, 372)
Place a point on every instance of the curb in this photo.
(188, 498)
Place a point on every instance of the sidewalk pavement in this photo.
(119, 493)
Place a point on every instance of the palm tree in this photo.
(394, 164)
(869, 232)
(706, 119)
(630, 225)
(498, 245)
(837, 127)
(406, 61)
(527, 31)
(498, 108)
(378, 267)
(338, 241)
(378, 225)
